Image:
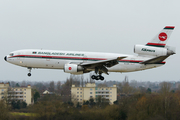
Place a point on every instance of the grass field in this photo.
(23, 114)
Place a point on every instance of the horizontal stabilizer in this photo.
(155, 60)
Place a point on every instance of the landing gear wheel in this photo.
(97, 78)
(93, 77)
(101, 78)
(29, 74)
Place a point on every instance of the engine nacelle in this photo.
(153, 51)
(73, 69)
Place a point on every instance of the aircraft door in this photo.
(85, 59)
(20, 59)
(47, 58)
(132, 61)
(49, 62)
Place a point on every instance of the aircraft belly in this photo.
(121, 67)
(47, 63)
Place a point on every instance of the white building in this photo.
(81, 94)
(16, 93)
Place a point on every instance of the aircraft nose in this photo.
(5, 58)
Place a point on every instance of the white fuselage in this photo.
(52, 59)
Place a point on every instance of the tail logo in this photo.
(162, 36)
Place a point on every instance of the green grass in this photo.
(22, 114)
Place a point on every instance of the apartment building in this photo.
(90, 90)
(3, 90)
(15, 93)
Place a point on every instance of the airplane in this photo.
(150, 55)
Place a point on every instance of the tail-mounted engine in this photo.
(153, 51)
(73, 69)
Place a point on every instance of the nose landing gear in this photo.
(29, 74)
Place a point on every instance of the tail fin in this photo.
(161, 39)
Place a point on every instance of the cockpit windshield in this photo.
(11, 54)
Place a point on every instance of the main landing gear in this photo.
(29, 74)
(98, 77)
(99, 70)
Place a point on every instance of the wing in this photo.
(155, 60)
(100, 66)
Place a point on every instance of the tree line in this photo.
(142, 104)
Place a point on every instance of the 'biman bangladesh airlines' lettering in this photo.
(151, 55)
(56, 53)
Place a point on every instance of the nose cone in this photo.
(5, 58)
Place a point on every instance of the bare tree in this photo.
(82, 79)
(23, 83)
(13, 84)
(165, 87)
(126, 88)
(52, 86)
(58, 87)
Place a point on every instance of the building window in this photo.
(24, 92)
(25, 96)
(77, 92)
(110, 88)
(91, 89)
(102, 89)
(77, 88)
(110, 92)
(90, 92)
(2, 90)
(77, 99)
(25, 89)
(81, 99)
(81, 88)
(106, 88)
(80, 95)
(77, 95)
(81, 92)
(16, 89)
(91, 96)
(110, 95)
(20, 89)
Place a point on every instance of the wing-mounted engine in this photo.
(73, 69)
(152, 51)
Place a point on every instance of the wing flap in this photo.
(107, 63)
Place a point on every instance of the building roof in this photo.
(47, 92)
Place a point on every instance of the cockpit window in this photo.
(11, 54)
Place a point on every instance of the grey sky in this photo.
(86, 25)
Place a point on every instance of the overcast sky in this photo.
(86, 25)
